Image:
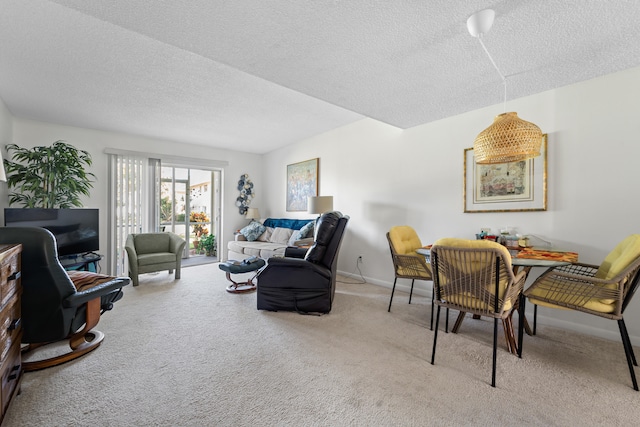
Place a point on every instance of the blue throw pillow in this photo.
(252, 231)
(307, 230)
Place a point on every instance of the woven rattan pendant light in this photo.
(509, 138)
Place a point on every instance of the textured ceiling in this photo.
(255, 75)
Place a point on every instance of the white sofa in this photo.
(278, 234)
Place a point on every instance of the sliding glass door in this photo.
(189, 207)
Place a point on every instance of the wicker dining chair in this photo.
(475, 276)
(604, 290)
(407, 264)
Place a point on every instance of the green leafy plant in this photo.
(48, 177)
(209, 244)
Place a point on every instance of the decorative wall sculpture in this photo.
(245, 187)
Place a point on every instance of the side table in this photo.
(81, 262)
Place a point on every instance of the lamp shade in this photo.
(320, 204)
(508, 139)
(252, 213)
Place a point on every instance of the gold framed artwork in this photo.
(302, 182)
(506, 187)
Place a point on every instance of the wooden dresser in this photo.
(10, 324)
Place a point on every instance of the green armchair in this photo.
(149, 252)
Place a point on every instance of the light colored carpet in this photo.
(187, 353)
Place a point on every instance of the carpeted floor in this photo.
(187, 353)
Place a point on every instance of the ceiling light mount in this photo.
(481, 22)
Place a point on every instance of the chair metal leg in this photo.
(446, 322)
(628, 351)
(435, 336)
(458, 323)
(392, 291)
(432, 307)
(521, 319)
(411, 292)
(626, 334)
(495, 351)
(535, 318)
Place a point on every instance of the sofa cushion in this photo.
(281, 235)
(157, 258)
(256, 248)
(295, 236)
(253, 231)
(307, 230)
(266, 236)
(152, 242)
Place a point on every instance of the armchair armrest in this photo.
(176, 243)
(130, 247)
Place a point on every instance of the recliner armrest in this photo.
(294, 252)
(283, 264)
(82, 297)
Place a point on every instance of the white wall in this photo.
(6, 130)
(382, 176)
(27, 133)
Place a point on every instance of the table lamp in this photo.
(252, 213)
(320, 204)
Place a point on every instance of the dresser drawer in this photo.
(10, 375)
(9, 274)
(10, 325)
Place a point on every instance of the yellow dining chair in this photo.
(407, 263)
(604, 290)
(475, 276)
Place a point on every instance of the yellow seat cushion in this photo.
(404, 239)
(619, 258)
(591, 304)
(467, 299)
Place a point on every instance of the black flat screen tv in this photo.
(76, 230)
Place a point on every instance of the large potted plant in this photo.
(209, 245)
(48, 177)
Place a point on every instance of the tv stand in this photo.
(80, 261)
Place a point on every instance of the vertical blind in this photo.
(133, 198)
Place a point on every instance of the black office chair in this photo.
(55, 307)
(305, 284)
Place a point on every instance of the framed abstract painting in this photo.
(302, 182)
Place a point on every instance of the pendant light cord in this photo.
(504, 79)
